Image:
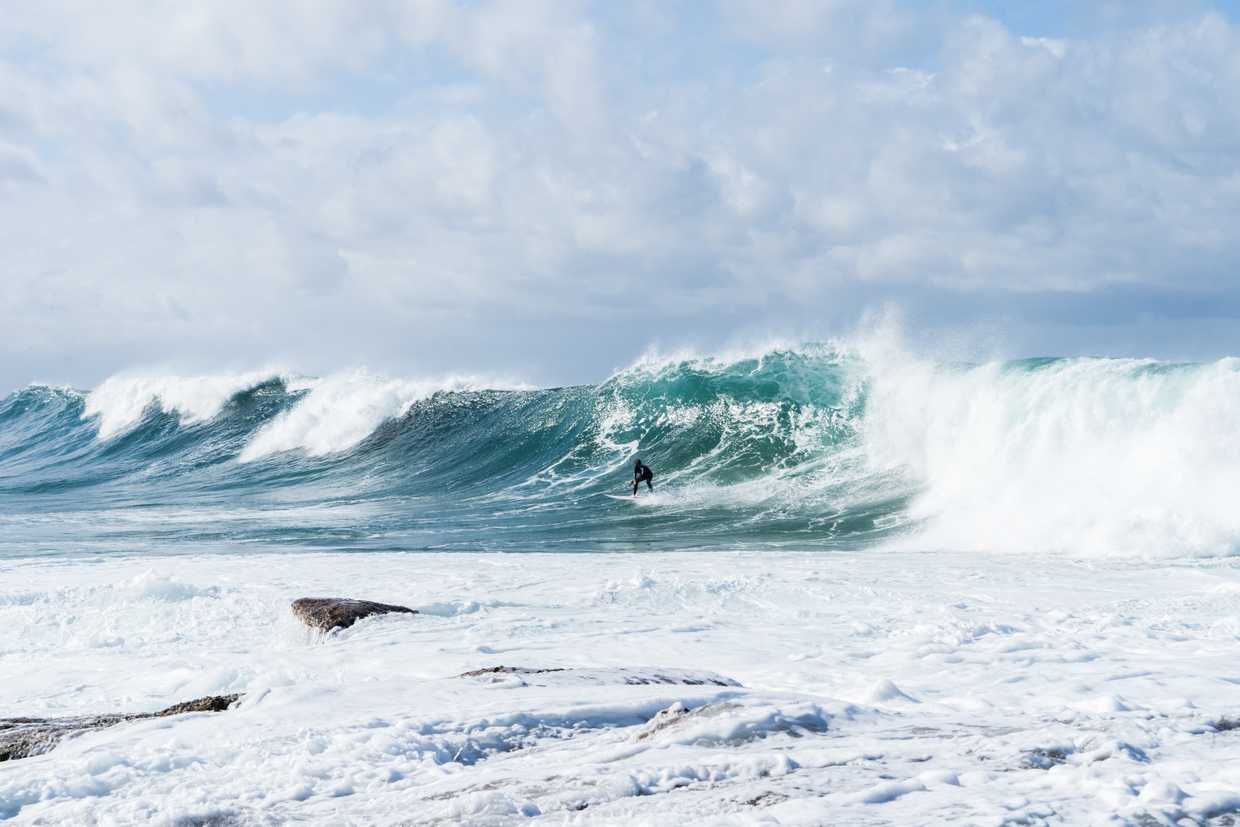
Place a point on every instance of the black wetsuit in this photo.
(642, 473)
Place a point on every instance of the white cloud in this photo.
(203, 181)
(222, 39)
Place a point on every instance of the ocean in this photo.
(870, 587)
(813, 447)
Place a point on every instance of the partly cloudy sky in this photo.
(545, 189)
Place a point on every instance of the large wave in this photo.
(815, 446)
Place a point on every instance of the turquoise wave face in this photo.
(757, 452)
(811, 448)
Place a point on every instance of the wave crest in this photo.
(121, 401)
(339, 411)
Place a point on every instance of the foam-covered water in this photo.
(901, 679)
(896, 688)
(814, 446)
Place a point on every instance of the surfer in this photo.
(642, 473)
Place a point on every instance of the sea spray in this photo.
(1077, 455)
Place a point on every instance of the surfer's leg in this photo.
(648, 485)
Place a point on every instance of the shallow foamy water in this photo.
(875, 688)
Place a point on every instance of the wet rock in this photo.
(327, 613)
(506, 670)
(211, 703)
(679, 677)
(218, 819)
(606, 676)
(1225, 724)
(24, 737)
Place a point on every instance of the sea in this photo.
(816, 447)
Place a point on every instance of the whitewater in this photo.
(888, 589)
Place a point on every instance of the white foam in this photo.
(341, 410)
(121, 400)
(1092, 456)
(1100, 698)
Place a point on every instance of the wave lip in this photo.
(338, 412)
(121, 401)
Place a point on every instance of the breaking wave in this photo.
(815, 446)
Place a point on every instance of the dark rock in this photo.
(507, 670)
(211, 703)
(1226, 724)
(678, 678)
(218, 819)
(327, 613)
(24, 737)
(605, 676)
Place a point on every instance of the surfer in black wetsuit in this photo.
(642, 473)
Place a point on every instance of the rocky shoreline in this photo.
(533, 700)
(25, 737)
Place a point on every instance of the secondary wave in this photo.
(815, 446)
